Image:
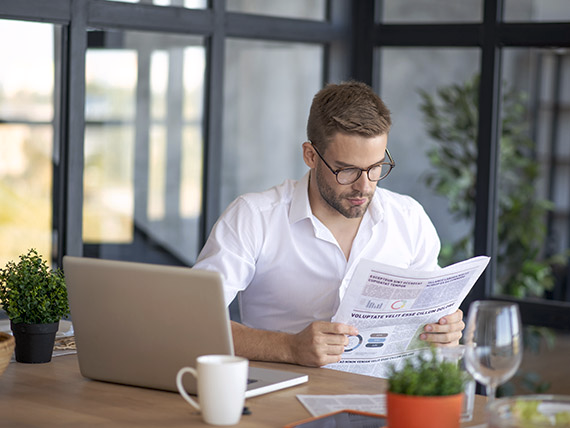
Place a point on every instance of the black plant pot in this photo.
(34, 342)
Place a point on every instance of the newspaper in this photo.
(390, 307)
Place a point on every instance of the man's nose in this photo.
(363, 184)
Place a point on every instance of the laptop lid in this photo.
(138, 324)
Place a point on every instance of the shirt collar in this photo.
(375, 209)
(300, 206)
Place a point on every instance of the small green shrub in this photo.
(428, 376)
(31, 292)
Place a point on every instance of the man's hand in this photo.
(321, 343)
(446, 332)
(318, 344)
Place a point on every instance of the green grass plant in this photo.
(427, 375)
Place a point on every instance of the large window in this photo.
(126, 127)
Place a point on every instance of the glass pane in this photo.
(143, 148)
(537, 10)
(26, 138)
(108, 183)
(534, 196)
(268, 91)
(440, 132)
(191, 4)
(312, 9)
(431, 11)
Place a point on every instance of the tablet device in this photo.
(344, 419)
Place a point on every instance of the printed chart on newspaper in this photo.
(390, 307)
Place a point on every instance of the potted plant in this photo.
(35, 299)
(426, 392)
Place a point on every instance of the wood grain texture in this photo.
(56, 395)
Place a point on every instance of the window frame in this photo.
(350, 35)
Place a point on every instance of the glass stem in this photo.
(491, 390)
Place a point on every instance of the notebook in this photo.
(138, 324)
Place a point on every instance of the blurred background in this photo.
(126, 128)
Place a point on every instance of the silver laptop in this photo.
(138, 324)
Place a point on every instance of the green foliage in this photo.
(428, 376)
(529, 383)
(451, 118)
(533, 336)
(31, 293)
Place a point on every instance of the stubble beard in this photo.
(335, 201)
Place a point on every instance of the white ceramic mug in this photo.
(222, 381)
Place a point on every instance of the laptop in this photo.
(138, 324)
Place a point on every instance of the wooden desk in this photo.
(56, 395)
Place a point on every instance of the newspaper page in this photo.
(390, 307)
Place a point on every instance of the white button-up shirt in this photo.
(288, 267)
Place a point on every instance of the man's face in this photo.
(344, 151)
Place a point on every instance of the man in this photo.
(290, 251)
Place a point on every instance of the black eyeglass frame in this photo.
(391, 164)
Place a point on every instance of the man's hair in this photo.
(349, 107)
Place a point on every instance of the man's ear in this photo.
(309, 155)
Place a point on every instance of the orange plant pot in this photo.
(414, 411)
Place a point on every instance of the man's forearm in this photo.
(262, 345)
(320, 343)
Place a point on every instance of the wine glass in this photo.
(493, 343)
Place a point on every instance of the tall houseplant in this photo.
(35, 299)
(426, 392)
(451, 117)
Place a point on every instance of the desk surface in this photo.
(56, 395)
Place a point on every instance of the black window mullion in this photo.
(362, 42)
(422, 35)
(540, 312)
(61, 45)
(534, 34)
(73, 144)
(281, 29)
(143, 17)
(53, 11)
(487, 150)
(213, 121)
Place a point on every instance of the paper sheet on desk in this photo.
(318, 405)
(390, 307)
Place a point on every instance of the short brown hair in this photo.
(349, 107)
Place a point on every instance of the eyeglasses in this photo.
(350, 175)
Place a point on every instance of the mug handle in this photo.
(180, 387)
